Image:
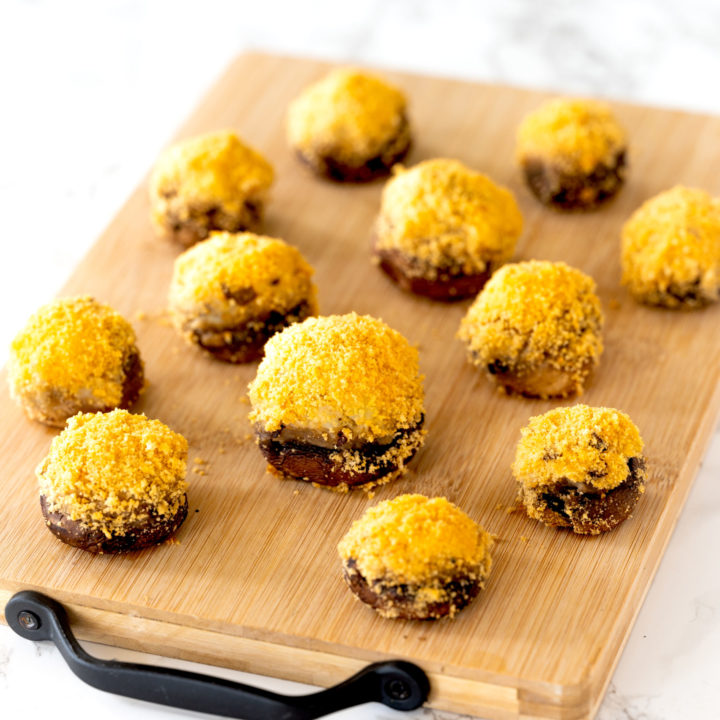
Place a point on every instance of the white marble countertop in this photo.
(92, 90)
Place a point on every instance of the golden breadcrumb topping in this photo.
(216, 169)
(448, 216)
(671, 243)
(107, 470)
(348, 114)
(535, 312)
(352, 460)
(577, 135)
(415, 539)
(342, 373)
(72, 345)
(238, 277)
(578, 444)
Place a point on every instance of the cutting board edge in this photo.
(602, 671)
(515, 698)
(251, 54)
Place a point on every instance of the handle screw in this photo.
(398, 689)
(30, 621)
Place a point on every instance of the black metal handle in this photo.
(399, 685)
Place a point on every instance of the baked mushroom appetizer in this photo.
(535, 329)
(443, 229)
(416, 558)
(349, 126)
(74, 355)
(338, 401)
(231, 293)
(581, 468)
(671, 249)
(210, 182)
(573, 153)
(114, 482)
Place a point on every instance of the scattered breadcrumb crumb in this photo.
(341, 488)
(149, 315)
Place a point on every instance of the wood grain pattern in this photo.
(254, 582)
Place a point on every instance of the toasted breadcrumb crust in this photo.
(107, 470)
(233, 278)
(447, 216)
(352, 460)
(580, 444)
(534, 313)
(349, 374)
(420, 542)
(72, 347)
(671, 249)
(349, 115)
(576, 135)
(216, 170)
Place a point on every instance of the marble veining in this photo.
(91, 92)
(5, 656)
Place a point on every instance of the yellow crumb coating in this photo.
(348, 115)
(533, 313)
(577, 135)
(448, 216)
(216, 169)
(108, 470)
(672, 243)
(341, 373)
(578, 444)
(237, 277)
(397, 455)
(72, 346)
(414, 539)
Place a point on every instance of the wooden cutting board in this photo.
(254, 582)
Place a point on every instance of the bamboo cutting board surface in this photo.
(254, 582)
